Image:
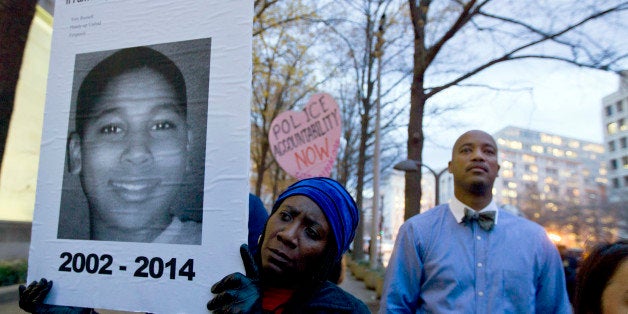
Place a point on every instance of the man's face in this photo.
(474, 162)
(134, 151)
(295, 239)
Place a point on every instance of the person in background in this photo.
(570, 265)
(310, 226)
(468, 256)
(602, 280)
(257, 220)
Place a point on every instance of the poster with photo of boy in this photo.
(144, 161)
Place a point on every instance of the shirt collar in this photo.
(457, 209)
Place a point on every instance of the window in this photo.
(574, 144)
(609, 111)
(613, 164)
(622, 124)
(531, 168)
(615, 182)
(528, 158)
(537, 149)
(622, 142)
(625, 180)
(611, 146)
(611, 128)
(619, 106)
(624, 161)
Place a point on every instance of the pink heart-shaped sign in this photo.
(305, 144)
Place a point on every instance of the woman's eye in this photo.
(163, 125)
(284, 216)
(312, 233)
(111, 129)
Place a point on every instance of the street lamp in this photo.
(410, 165)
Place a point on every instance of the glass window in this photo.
(613, 164)
(611, 128)
(528, 158)
(609, 111)
(622, 124)
(615, 182)
(574, 144)
(537, 149)
(619, 106)
(611, 146)
(624, 161)
(622, 142)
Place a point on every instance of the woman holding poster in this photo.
(310, 227)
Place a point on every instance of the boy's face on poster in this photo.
(133, 153)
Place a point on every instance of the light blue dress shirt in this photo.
(442, 265)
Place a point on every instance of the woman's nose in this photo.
(288, 235)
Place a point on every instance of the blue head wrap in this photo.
(335, 202)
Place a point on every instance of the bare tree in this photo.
(284, 76)
(357, 23)
(447, 54)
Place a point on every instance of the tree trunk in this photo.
(418, 99)
(15, 20)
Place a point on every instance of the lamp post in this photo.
(410, 165)
(374, 248)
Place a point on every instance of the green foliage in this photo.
(13, 272)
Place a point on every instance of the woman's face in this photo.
(615, 295)
(295, 240)
(134, 151)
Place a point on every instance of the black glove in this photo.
(237, 293)
(33, 296)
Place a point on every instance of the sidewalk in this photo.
(8, 300)
(9, 295)
(357, 288)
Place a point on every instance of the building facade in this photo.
(615, 121)
(557, 181)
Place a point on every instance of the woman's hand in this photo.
(33, 296)
(237, 293)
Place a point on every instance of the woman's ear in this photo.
(74, 154)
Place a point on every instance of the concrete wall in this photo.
(15, 238)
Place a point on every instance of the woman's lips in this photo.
(279, 256)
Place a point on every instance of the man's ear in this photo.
(449, 167)
(74, 153)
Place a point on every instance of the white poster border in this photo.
(98, 25)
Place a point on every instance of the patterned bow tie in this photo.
(486, 219)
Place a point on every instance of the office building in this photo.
(557, 181)
(615, 121)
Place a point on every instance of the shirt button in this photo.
(479, 264)
(481, 293)
(479, 237)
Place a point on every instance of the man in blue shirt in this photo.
(469, 257)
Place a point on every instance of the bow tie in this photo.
(486, 220)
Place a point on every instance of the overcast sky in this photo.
(555, 98)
